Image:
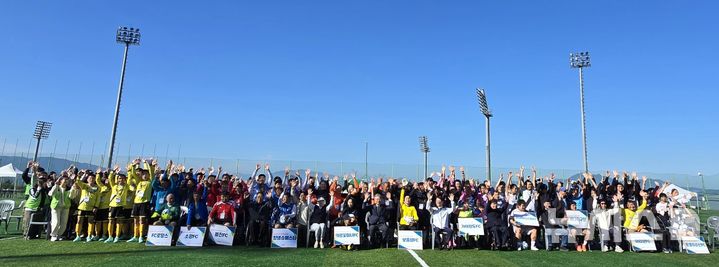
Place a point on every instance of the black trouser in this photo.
(499, 233)
(442, 235)
(372, 230)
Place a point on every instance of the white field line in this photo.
(417, 258)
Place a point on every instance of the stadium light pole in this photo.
(482, 99)
(42, 131)
(424, 147)
(705, 200)
(580, 61)
(126, 36)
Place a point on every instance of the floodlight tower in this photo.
(482, 99)
(580, 61)
(424, 148)
(126, 36)
(42, 131)
(705, 199)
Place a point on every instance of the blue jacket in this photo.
(200, 209)
(161, 192)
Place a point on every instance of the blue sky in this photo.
(314, 80)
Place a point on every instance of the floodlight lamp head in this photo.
(579, 60)
(482, 99)
(423, 145)
(128, 36)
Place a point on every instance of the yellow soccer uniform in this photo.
(143, 189)
(88, 196)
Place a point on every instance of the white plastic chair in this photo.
(713, 224)
(6, 208)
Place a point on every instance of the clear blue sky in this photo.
(314, 80)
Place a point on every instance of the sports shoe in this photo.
(140, 240)
(317, 244)
(78, 238)
(101, 239)
(53, 239)
(519, 248)
(322, 244)
(133, 239)
(108, 240)
(96, 238)
(117, 239)
(605, 248)
(618, 249)
(89, 239)
(533, 248)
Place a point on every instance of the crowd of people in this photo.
(118, 205)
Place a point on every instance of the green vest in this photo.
(60, 199)
(33, 203)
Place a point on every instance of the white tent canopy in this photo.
(9, 171)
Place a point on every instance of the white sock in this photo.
(533, 243)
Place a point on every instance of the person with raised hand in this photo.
(118, 197)
(143, 180)
(60, 207)
(102, 206)
(440, 219)
(89, 192)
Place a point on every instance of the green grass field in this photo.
(14, 251)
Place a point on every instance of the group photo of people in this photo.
(517, 211)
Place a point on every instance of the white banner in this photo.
(694, 245)
(526, 219)
(222, 235)
(192, 237)
(470, 226)
(577, 219)
(684, 195)
(409, 239)
(642, 241)
(159, 235)
(284, 238)
(347, 235)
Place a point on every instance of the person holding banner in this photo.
(581, 245)
(285, 212)
(520, 230)
(196, 209)
(223, 212)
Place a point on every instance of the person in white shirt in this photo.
(440, 218)
(520, 230)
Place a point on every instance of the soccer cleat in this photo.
(605, 248)
(89, 239)
(108, 240)
(322, 244)
(78, 238)
(101, 239)
(317, 244)
(618, 249)
(140, 240)
(133, 239)
(117, 239)
(534, 248)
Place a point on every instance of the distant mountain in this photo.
(49, 163)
